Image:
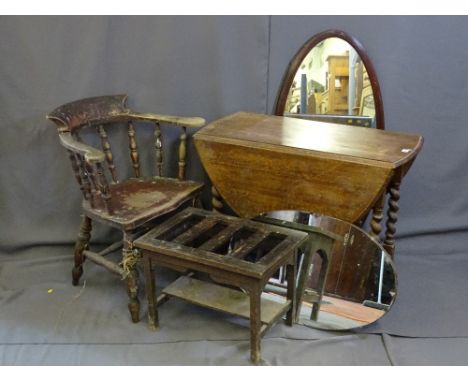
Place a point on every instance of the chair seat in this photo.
(135, 201)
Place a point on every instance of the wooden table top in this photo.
(260, 163)
(317, 138)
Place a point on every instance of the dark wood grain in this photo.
(259, 163)
(262, 163)
(132, 144)
(129, 204)
(108, 152)
(228, 267)
(357, 144)
(138, 200)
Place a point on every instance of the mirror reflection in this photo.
(332, 85)
(345, 278)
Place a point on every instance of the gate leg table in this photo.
(259, 163)
(234, 252)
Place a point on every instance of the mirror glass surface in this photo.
(348, 281)
(332, 85)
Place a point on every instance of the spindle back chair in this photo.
(130, 204)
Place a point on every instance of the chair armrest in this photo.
(181, 121)
(90, 153)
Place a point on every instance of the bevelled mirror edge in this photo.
(298, 58)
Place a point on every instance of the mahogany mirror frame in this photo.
(296, 61)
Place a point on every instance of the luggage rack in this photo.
(234, 252)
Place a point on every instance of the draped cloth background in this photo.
(210, 67)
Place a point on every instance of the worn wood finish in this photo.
(150, 286)
(191, 236)
(85, 182)
(77, 171)
(352, 120)
(182, 153)
(128, 264)
(321, 245)
(98, 259)
(322, 282)
(158, 149)
(225, 234)
(84, 236)
(136, 201)
(104, 189)
(392, 213)
(133, 150)
(88, 153)
(110, 109)
(347, 266)
(179, 242)
(91, 174)
(255, 324)
(291, 291)
(111, 248)
(377, 217)
(216, 201)
(222, 299)
(296, 61)
(262, 163)
(108, 152)
(131, 204)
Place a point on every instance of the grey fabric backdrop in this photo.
(210, 67)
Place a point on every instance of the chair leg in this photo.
(129, 263)
(255, 324)
(291, 292)
(84, 235)
(197, 203)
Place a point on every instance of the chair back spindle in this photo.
(128, 204)
(77, 172)
(84, 177)
(95, 191)
(182, 153)
(108, 153)
(133, 150)
(88, 162)
(104, 188)
(88, 181)
(158, 149)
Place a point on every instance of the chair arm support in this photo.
(175, 120)
(90, 153)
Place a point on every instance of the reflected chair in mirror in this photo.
(131, 204)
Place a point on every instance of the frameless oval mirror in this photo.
(345, 279)
(331, 79)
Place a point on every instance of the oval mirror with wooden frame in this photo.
(331, 79)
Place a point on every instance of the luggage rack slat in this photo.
(193, 232)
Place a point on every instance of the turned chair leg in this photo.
(84, 235)
(129, 263)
